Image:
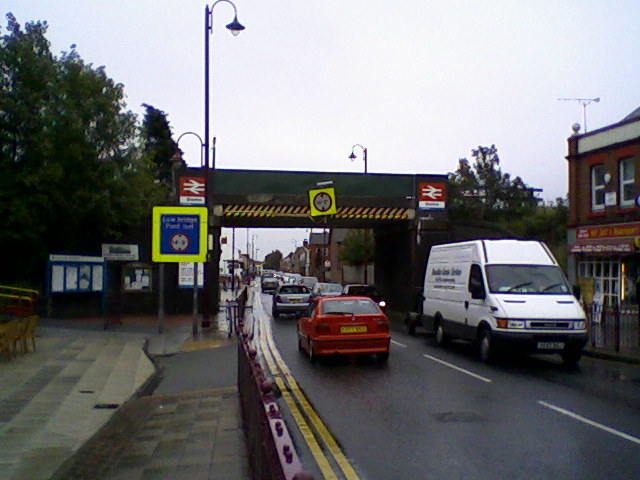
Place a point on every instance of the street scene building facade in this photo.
(604, 212)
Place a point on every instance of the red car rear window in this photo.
(347, 307)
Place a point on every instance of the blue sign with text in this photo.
(179, 234)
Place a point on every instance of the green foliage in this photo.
(159, 146)
(483, 191)
(547, 223)
(272, 260)
(71, 172)
(352, 251)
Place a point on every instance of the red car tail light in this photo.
(383, 325)
(322, 328)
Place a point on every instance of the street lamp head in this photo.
(235, 27)
(353, 156)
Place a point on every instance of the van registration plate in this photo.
(354, 329)
(550, 345)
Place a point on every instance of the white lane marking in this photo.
(590, 422)
(399, 344)
(460, 369)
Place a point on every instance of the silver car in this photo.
(290, 298)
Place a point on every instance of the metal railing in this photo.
(615, 328)
(272, 455)
(18, 302)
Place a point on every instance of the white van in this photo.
(502, 293)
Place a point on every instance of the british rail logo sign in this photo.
(431, 196)
(192, 190)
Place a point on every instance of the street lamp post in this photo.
(235, 27)
(195, 264)
(353, 156)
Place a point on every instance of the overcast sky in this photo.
(419, 83)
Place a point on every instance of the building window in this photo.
(597, 187)
(605, 273)
(627, 182)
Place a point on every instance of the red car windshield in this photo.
(348, 307)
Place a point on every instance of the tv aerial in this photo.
(584, 102)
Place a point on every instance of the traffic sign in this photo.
(431, 196)
(322, 201)
(192, 190)
(179, 234)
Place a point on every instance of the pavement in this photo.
(81, 405)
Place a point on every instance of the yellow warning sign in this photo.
(322, 201)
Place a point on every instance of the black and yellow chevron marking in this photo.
(368, 213)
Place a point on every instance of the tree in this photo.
(71, 170)
(159, 146)
(483, 190)
(272, 260)
(352, 251)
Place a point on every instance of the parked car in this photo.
(290, 299)
(324, 289)
(309, 281)
(361, 289)
(269, 284)
(344, 325)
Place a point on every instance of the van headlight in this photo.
(507, 323)
(579, 325)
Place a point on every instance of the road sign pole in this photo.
(194, 322)
(161, 299)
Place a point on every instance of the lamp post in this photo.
(235, 27)
(353, 156)
(195, 264)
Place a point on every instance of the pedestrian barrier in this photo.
(271, 451)
(15, 301)
(615, 328)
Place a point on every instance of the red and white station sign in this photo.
(431, 196)
(192, 190)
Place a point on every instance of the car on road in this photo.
(344, 325)
(326, 289)
(361, 289)
(290, 298)
(269, 284)
(309, 281)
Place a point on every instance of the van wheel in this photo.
(442, 339)
(486, 346)
(410, 324)
(571, 356)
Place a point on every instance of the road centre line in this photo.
(267, 343)
(460, 369)
(580, 418)
(398, 344)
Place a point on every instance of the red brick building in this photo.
(604, 210)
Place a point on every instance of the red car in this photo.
(344, 325)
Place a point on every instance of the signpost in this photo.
(322, 201)
(179, 234)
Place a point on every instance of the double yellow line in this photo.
(301, 410)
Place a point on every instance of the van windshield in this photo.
(530, 279)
